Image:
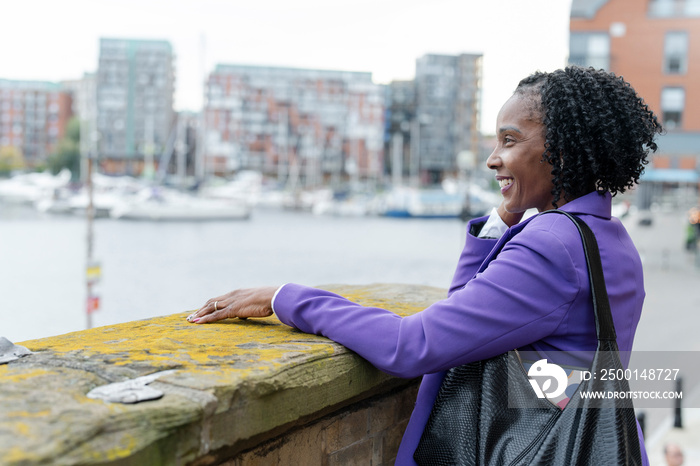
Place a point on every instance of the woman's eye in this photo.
(508, 140)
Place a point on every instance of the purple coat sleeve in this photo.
(475, 251)
(510, 304)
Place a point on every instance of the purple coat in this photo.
(534, 294)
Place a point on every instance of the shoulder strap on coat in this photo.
(605, 327)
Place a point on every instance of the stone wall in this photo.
(365, 433)
(248, 392)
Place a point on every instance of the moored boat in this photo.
(160, 204)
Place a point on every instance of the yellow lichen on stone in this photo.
(171, 341)
(21, 428)
(17, 455)
(19, 375)
(28, 414)
(124, 447)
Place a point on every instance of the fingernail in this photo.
(195, 320)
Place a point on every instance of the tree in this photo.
(10, 159)
(67, 153)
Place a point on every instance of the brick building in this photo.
(304, 125)
(654, 45)
(33, 118)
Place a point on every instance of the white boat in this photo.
(28, 188)
(245, 186)
(435, 202)
(108, 192)
(161, 204)
(102, 202)
(354, 205)
(56, 203)
(421, 203)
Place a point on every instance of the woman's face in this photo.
(524, 177)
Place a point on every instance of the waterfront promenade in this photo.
(670, 322)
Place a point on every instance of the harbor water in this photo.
(150, 269)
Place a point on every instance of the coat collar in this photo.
(591, 204)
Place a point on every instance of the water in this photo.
(151, 269)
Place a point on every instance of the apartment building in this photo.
(433, 121)
(448, 90)
(134, 91)
(33, 118)
(301, 125)
(655, 45)
(401, 162)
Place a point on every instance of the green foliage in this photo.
(73, 130)
(67, 154)
(10, 159)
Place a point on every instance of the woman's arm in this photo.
(520, 298)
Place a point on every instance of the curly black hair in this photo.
(599, 132)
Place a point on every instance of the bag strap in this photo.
(605, 327)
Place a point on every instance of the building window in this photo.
(672, 105)
(674, 8)
(675, 52)
(590, 49)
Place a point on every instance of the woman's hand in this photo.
(509, 218)
(250, 302)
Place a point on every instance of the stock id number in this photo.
(633, 374)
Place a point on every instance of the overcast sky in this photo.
(52, 40)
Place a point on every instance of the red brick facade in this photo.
(638, 53)
(655, 46)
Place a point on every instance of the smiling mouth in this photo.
(505, 182)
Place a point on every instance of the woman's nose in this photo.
(493, 162)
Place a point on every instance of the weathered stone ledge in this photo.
(236, 385)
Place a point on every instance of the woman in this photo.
(570, 139)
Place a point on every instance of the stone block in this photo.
(406, 401)
(353, 426)
(304, 446)
(358, 454)
(392, 439)
(383, 414)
